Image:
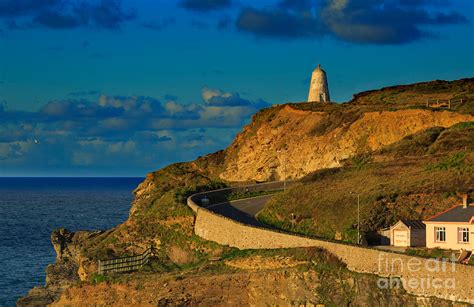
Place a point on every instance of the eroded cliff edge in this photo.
(296, 143)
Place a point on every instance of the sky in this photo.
(122, 88)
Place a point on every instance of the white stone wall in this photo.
(419, 276)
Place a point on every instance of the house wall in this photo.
(385, 236)
(451, 236)
(418, 237)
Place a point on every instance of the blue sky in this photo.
(120, 88)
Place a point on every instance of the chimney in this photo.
(465, 201)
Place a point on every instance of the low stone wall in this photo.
(420, 276)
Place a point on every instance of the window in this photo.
(463, 235)
(440, 234)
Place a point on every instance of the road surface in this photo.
(242, 210)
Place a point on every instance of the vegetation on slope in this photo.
(417, 94)
(411, 179)
(159, 216)
(412, 96)
(300, 276)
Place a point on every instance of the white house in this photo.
(453, 228)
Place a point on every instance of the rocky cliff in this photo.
(293, 143)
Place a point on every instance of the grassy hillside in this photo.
(419, 93)
(412, 179)
(412, 96)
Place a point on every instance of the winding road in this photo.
(242, 210)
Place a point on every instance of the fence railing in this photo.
(125, 264)
(443, 103)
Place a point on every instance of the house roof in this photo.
(414, 224)
(454, 214)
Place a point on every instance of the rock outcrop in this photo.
(69, 269)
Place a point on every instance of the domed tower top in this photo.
(319, 69)
(319, 89)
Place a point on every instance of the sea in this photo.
(31, 208)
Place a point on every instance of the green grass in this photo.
(98, 278)
(414, 96)
(462, 126)
(455, 161)
(429, 253)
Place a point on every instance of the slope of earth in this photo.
(247, 278)
(414, 178)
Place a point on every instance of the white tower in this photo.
(318, 89)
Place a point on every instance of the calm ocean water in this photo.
(31, 208)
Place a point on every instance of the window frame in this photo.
(439, 230)
(461, 232)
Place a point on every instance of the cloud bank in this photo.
(379, 22)
(64, 14)
(357, 21)
(129, 133)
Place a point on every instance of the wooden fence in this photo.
(125, 264)
(443, 103)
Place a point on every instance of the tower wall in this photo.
(319, 89)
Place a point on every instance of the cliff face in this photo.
(70, 268)
(295, 143)
(283, 141)
(284, 287)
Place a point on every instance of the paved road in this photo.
(243, 210)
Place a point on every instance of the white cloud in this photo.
(207, 94)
